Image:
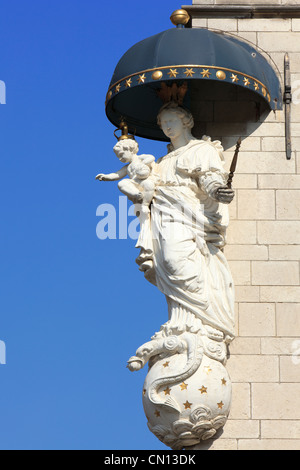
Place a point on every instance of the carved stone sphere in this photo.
(181, 411)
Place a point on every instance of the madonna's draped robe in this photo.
(184, 237)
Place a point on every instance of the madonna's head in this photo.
(173, 108)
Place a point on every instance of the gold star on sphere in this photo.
(187, 405)
(183, 386)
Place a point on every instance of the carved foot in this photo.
(135, 363)
(158, 346)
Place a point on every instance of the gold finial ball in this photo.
(180, 17)
(221, 75)
(157, 75)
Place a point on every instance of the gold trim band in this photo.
(157, 74)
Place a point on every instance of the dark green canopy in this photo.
(185, 56)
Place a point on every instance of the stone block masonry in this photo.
(263, 243)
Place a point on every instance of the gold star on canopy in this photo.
(234, 78)
(173, 73)
(166, 364)
(167, 391)
(223, 381)
(184, 386)
(205, 73)
(220, 405)
(157, 413)
(246, 82)
(142, 78)
(203, 389)
(118, 87)
(128, 83)
(187, 405)
(256, 86)
(207, 369)
(189, 72)
(144, 392)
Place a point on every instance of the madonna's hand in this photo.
(224, 194)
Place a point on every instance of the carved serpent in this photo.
(189, 342)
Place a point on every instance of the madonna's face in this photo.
(171, 124)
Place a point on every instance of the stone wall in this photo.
(263, 250)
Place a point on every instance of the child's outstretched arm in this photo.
(118, 175)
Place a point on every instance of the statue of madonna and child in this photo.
(182, 202)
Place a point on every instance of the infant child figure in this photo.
(140, 186)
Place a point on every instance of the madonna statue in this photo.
(187, 392)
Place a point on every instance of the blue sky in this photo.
(73, 308)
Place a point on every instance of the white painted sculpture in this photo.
(187, 392)
(140, 185)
